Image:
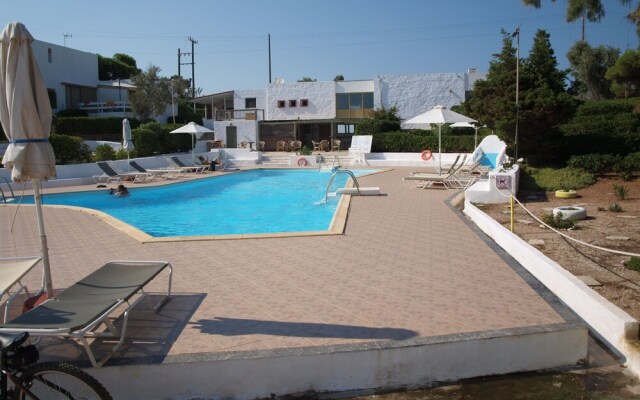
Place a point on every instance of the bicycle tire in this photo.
(60, 378)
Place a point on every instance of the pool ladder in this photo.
(4, 198)
(333, 176)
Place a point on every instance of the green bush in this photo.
(410, 142)
(146, 142)
(92, 127)
(72, 112)
(594, 163)
(122, 154)
(557, 222)
(305, 151)
(104, 152)
(549, 179)
(621, 191)
(629, 164)
(615, 207)
(633, 264)
(69, 149)
(372, 126)
(607, 107)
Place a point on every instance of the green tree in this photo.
(588, 67)
(626, 74)
(126, 59)
(307, 79)
(120, 66)
(338, 78)
(152, 95)
(386, 114)
(592, 10)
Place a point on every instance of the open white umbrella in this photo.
(196, 131)
(25, 114)
(127, 144)
(439, 115)
(468, 125)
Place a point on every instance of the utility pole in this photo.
(515, 145)
(269, 42)
(66, 35)
(192, 63)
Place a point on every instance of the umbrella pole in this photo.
(439, 149)
(193, 150)
(48, 285)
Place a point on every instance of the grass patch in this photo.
(557, 222)
(621, 191)
(549, 179)
(633, 264)
(615, 207)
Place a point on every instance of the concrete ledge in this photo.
(366, 367)
(612, 324)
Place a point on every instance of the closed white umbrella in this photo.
(25, 114)
(127, 144)
(196, 131)
(439, 115)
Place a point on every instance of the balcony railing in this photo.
(246, 114)
(94, 107)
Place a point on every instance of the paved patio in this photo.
(408, 266)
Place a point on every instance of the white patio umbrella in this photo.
(127, 144)
(439, 115)
(196, 131)
(25, 114)
(468, 125)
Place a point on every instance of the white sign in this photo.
(361, 143)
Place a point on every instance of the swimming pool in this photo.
(249, 202)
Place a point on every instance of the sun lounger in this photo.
(80, 309)
(111, 175)
(165, 173)
(195, 169)
(455, 179)
(12, 270)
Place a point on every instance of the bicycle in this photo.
(41, 381)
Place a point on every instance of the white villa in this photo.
(315, 111)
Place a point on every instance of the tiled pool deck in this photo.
(408, 266)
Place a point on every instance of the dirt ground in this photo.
(604, 228)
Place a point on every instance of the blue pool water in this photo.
(257, 201)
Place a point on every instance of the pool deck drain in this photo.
(410, 294)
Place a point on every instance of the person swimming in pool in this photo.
(121, 190)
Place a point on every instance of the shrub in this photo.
(122, 154)
(72, 112)
(92, 127)
(557, 222)
(549, 179)
(633, 264)
(410, 142)
(621, 191)
(146, 142)
(104, 152)
(615, 207)
(372, 126)
(594, 163)
(305, 151)
(628, 165)
(69, 149)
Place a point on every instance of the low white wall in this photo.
(385, 365)
(614, 325)
(485, 191)
(408, 160)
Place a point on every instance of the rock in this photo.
(536, 242)
(524, 221)
(627, 216)
(589, 281)
(617, 238)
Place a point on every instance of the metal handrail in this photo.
(4, 198)
(336, 172)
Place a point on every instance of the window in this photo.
(250, 102)
(355, 101)
(345, 129)
(280, 103)
(367, 100)
(50, 55)
(354, 105)
(304, 103)
(53, 98)
(293, 103)
(342, 101)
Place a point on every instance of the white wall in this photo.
(321, 96)
(240, 95)
(354, 86)
(247, 130)
(67, 65)
(415, 94)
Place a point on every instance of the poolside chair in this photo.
(454, 179)
(324, 145)
(261, 145)
(167, 173)
(281, 145)
(316, 146)
(194, 169)
(109, 174)
(78, 311)
(335, 146)
(12, 270)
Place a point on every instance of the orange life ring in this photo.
(426, 155)
(302, 162)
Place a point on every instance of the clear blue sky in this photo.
(319, 39)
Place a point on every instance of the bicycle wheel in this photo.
(59, 380)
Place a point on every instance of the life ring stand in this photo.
(426, 155)
(302, 162)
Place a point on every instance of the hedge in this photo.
(407, 142)
(95, 128)
(69, 149)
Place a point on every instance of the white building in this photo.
(71, 77)
(315, 111)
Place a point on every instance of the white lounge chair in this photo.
(12, 270)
